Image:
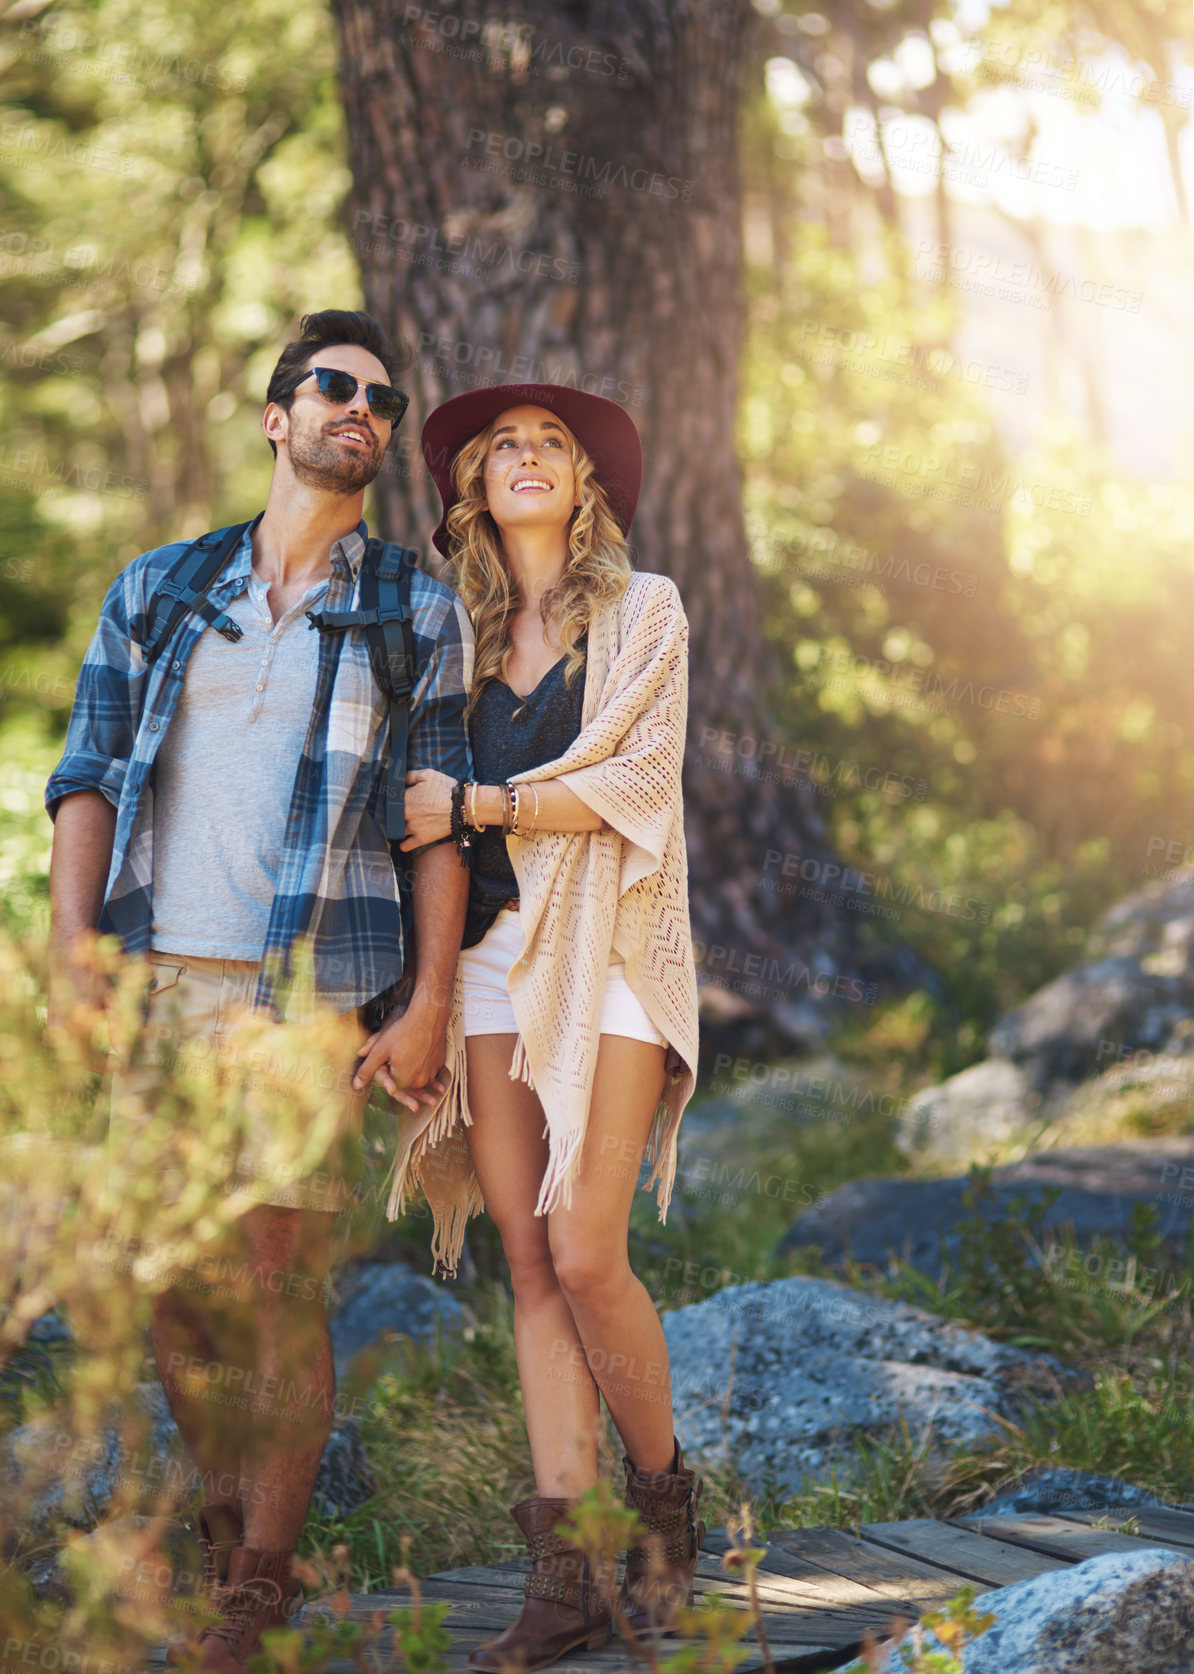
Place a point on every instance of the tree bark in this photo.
(615, 266)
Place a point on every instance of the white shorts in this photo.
(487, 1008)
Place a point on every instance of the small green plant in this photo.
(953, 1627)
(418, 1642)
(714, 1627)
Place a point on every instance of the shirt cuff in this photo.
(82, 771)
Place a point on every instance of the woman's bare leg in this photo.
(616, 1319)
(509, 1155)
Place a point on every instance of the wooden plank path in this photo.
(821, 1590)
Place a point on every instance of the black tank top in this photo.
(509, 734)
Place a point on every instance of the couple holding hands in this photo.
(222, 798)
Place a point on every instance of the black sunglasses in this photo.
(339, 388)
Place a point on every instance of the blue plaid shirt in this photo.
(337, 886)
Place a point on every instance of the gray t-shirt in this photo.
(224, 778)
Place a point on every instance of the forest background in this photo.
(898, 295)
(962, 413)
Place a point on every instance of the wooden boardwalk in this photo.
(822, 1590)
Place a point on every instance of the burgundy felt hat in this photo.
(605, 431)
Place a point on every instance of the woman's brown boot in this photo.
(658, 1578)
(221, 1528)
(563, 1605)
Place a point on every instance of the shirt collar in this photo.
(350, 548)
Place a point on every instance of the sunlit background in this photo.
(968, 251)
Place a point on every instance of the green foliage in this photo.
(991, 702)
(444, 1430)
(951, 1628)
(171, 186)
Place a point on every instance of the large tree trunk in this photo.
(617, 266)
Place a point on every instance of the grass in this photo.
(443, 1424)
(447, 1439)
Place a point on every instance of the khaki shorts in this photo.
(194, 1007)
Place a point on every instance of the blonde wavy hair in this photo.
(596, 573)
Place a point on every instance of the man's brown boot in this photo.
(259, 1593)
(563, 1605)
(221, 1528)
(658, 1577)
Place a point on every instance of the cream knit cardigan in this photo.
(582, 894)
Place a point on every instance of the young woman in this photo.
(574, 1032)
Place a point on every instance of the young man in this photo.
(212, 808)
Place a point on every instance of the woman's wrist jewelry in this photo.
(460, 832)
(471, 805)
(514, 831)
(535, 816)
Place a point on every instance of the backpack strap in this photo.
(384, 615)
(184, 590)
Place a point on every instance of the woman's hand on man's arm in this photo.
(542, 806)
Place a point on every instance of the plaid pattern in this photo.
(337, 886)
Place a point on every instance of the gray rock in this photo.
(1063, 1032)
(173, 1572)
(346, 1478)
(783, 1376)
(388, 1298)
(1121, 1613)
(978, 1107)
(50, 1330)
(1131, 999)
(56, 1477)
(1047, 1491)
(49, 1478)
(1099, 1188)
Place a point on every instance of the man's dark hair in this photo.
(328, 329)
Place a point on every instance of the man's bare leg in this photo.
(250, 1381)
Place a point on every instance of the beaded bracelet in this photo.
(460, 831)
(514, 831)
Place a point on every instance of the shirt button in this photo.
(154, 726)
(176, 664)
(260, 687)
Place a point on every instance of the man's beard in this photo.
(319, 462)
